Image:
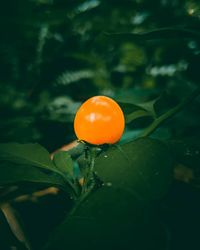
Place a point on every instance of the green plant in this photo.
(117, 192)
(140, 193)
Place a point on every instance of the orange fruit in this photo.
(99, 120)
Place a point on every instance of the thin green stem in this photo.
(157, 122)
(89, 181)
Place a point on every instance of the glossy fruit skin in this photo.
(99, 120)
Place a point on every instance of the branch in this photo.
(157, 122)
(15, 224)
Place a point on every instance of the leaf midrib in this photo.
(33, 163)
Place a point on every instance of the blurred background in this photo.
(54, 54)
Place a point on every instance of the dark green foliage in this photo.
(64, 163)
(31, 163)
(133, 112)
(54, 54)
(118, 215)
(187, 151)
(146, 177)
(112, 218)
(30, 154)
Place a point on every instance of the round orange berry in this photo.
(99, 120)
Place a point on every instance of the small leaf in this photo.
(136, 114)
(129, 107)
(76, 151)
(64, 163)
(135, 111)
(150, 106)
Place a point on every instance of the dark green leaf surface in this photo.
(31, 163)
(111, 218)
(11, 173)
(120, 214)
(129, 108)
(31, 154)
(143, 166)
(149, 106)
(64, 163)
(133, 111)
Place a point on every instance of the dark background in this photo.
(54, 54)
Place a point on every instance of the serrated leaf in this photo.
(64, 163)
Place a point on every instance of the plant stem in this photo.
(89, 182)
(157, 122)
(15, 224)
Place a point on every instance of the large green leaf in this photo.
(31, 154)
(11, 174)
(110, 218)
(143, 166)
(121, 213)
(31, 163)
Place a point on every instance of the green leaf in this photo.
(111, 218)
(133, 111)
(31, 163)
(149, 106)
(76, 151)
(128, 108)
(136, 114)
(31, 154)
(165, 102)
(143, 166)
(11, 173)
(64, 163)
(120, 214)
